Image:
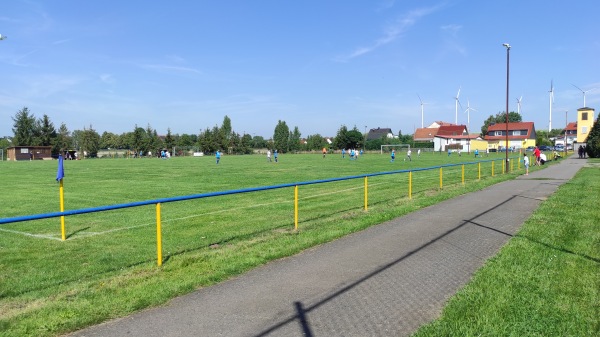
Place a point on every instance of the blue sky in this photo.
(315, 64)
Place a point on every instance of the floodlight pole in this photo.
(507, 77)
(566, 125)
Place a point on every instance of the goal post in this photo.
(389, 147)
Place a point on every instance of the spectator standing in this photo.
(536, 153)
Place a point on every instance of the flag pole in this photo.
(62, 209)
(60, 174)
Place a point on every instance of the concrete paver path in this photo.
(387, 280)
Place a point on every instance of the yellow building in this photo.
(585, 122)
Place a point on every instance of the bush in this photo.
(593, 140)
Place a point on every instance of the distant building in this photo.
(29, 152)
(380, 133)
(520, 135)
(576, 133)
(425, 134)
(585, 122)
(453, 137)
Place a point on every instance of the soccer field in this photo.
(107, 265)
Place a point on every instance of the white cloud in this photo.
(164, 68)
(392, 32)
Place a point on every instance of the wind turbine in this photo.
(457, 103)
(420, 100)
(584, 106)
(519, 104)
(551, 102)
(468, 111)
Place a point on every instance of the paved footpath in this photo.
(384, 281)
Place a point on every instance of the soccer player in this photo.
(408, 153)
(218, 155)
(275, 155)
(393, 155)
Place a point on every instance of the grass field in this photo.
(107, 267)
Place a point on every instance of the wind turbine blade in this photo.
(577, 88)
(458, 94)
(420, 99)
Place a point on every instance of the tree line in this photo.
(29, 130)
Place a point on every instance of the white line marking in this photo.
(89, 234)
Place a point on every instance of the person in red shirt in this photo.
(536, 153)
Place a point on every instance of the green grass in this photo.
(545, 281)
(107, 267)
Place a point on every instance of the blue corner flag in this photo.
(61, 169)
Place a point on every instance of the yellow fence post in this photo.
(479, 171)
(158, 236)
(503, 168)
(463, 174)
(296, 207)
(410, 184)
(366, 194)
(441, 174)
(62, 209)
(493, 162)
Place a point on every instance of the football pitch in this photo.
(107, 266)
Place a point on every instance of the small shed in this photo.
(29, 153)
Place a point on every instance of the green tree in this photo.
(109, 140)
(63, 138)
(246, 144)
(24, 128)
(281, 137)
(186, 140)
(341, 139)
(153, 142)
(169, 140)
(258, 142)
(593, 140)
(138, 141)
(4, 144)
(226, 133)
(348, 139)
(294, 140)
(513, 117)
(90, 142)
(315, 142)
(206, 141)
(47, 132)
(355, 137)
(126, 140)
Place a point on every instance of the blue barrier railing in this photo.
(159, 201)
(219, 193)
